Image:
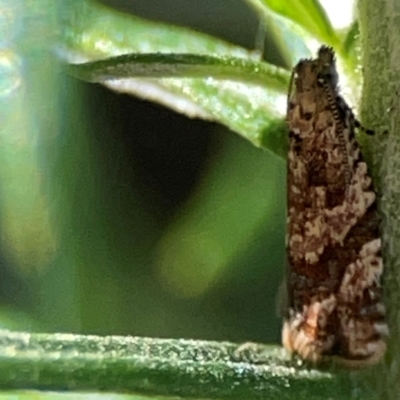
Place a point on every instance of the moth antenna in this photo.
(291, 81)
(340, 129)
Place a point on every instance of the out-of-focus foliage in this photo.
(25, 222)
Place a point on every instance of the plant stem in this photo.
(380, 29)
(162, 367)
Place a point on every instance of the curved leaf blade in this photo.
(160, 65)
(243, 106)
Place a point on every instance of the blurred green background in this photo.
(119, 216)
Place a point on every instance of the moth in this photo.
(335, 307)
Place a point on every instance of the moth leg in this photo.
(358, 125)
(306, 333)
(251, 353)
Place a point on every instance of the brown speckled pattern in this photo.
(333, 235)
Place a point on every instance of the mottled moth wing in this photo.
(333, 229)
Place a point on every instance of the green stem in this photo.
(162, 367)
(380, 29)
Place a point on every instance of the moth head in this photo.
(326, 62)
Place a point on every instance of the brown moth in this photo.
(335, 304)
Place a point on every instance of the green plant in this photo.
(203, 77)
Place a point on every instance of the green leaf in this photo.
(351, 39)
(308, 14)
(296, 24)
(248, 102)
(288, 36)
(158, 65)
